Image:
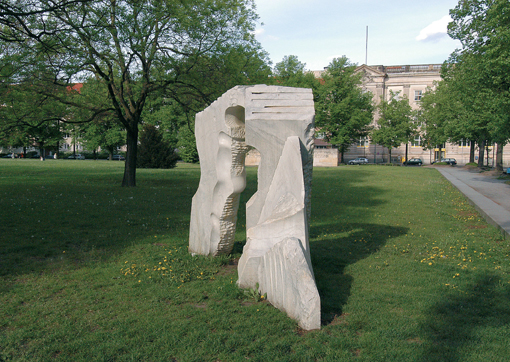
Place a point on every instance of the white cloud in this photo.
(435, 31)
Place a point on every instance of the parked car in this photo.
(118, 158)
(77, 156)
(414, 161)
(10, 156)
(449, 161)
(358, 161)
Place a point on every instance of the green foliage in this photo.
(290, 72)
(187, 145)
(154, 151)
(139, 48)
(290, 66)
(481, 74)
(27, 118)
(343, 111)
(171, 117)
(396, 124)
(252, 294)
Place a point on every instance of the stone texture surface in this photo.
(220, 133)
(283, 214)
(284, 273)
(273, 114)
(277, 255)
(278, 122)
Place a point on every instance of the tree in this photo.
(154, 151)
(343, 111)
(30, 119)
(396, 123)
(445, 118)
(103, 133)
(136, 48)
(483, 28)
(290, 72)
(16, 18)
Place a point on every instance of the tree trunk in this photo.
(389, 153)
(481, 150)
(499, 157)
(472, 151)
(342, 155)
(129, 179)
(407, 151)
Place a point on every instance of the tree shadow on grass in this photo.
(330, 257)
(65, 225)
(453, 324)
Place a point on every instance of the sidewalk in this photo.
(491, 197)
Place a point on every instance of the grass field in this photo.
(90, 271)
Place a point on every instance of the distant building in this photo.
(411, 81)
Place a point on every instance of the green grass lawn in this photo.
(90, 271)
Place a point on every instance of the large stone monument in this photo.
(278, 122)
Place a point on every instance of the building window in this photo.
(464, 143)
(417, 95)
(363, 142)
(416, 142)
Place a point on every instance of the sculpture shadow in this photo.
(337, 239)
(331, 255)
(454, 322)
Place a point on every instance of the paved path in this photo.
(491, 197)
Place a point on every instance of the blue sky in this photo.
(400, 32)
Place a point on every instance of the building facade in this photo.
(411, 81)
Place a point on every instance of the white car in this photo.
(77, 156)
(358, 161)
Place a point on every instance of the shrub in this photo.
(153, 150)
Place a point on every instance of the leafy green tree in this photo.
(444, 117)
(482, 65)
(154, 151)
(461, 107)
(291, 72)
(477, 104)
(184, 50)
(396, 123)
(343, 111)
(103, 133)
(30, 119)
(16, 18)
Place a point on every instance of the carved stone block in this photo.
(278, 122)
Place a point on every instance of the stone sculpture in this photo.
(278, 122)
